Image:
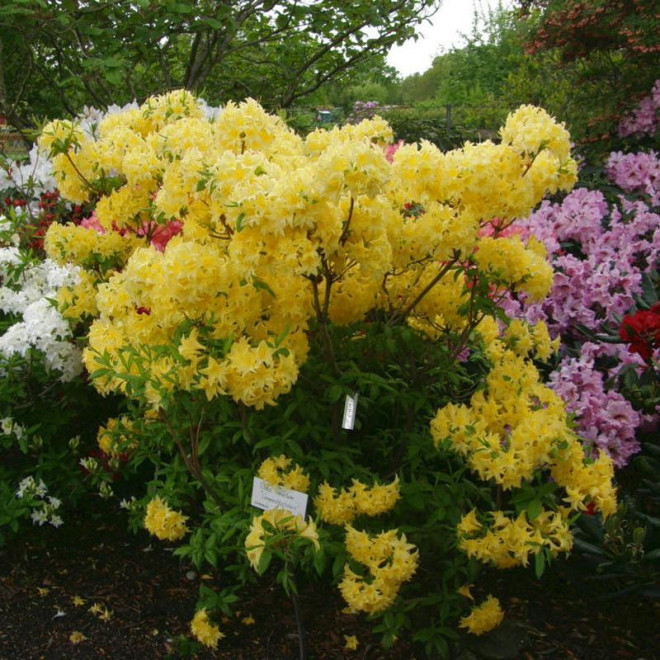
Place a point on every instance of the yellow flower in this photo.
(465, 591)
(284, 522)
(248, 620)
(96, 609)
(390, 560)
(204, 631)
(163, 522)
(78, 601)
(469, 523)
(76, 637)
(351, 642)
(282, 471)
(483, 617)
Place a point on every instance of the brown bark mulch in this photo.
(131, 599)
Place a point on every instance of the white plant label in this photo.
(350, 408)
(265, 497)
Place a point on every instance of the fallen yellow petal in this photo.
(76, 637)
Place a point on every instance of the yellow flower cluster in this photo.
(278, 471)
(511, 263)
(204, 631)
(238, 228)
(86, 247)
(591, 481)
(340, 508)
(78, 301)
(530, 340)
(512, 430)
(506, 542)
(280, 522)
(484, 617)
(116, 436)
(390, 561)
(163, 522)
(516, 426)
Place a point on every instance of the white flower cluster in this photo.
(9, 427)
(8, 231)
(28, 292)
(44, 505)
(34, 175)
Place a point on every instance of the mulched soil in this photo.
(151, 595)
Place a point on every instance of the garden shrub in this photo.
(246, 288)
(49, 414)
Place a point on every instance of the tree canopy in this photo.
(57, 56)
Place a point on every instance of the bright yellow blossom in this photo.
(484, 617)
(204, 631)
(163, 522)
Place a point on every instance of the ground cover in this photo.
(150, 596)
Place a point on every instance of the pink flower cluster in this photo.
(636, 173)
(644, 119)
(599, 255)
(604, 418)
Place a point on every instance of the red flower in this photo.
(642, 331)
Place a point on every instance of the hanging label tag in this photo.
(350, 408)
(265, 497)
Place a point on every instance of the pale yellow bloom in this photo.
(163, 522)
(283, 522)
(484, 617)
(204, 631)
(76, 637)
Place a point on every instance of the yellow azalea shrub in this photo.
(232, 264)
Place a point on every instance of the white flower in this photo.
(127, 504)
(105, 490)
(56, 521)
(210, 113)
(90, 464)
(26, 485)
(39, 516)
(33, 177)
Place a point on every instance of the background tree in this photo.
(472, 78)
(603, 54)
(57, 56)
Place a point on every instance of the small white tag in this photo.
(350, 408)
(265, 497)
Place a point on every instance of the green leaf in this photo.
(534, 509)
(260, 284)
(539, 564)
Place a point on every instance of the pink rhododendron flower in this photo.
(160, 235)
(391, 149)
(644, 118)
(93, 223)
